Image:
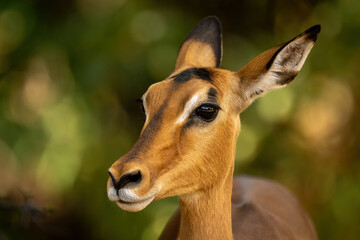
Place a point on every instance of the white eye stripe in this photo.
(189, 107)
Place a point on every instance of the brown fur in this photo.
(178, 154)
(260, 209)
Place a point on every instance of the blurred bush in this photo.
(70, 72)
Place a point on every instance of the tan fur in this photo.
(193, 53)
(261, 209)
(196, 162)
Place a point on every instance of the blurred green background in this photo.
(70, 72)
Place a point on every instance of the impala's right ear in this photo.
(203, 46)
(276, 67)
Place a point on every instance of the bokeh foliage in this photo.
(70, 72)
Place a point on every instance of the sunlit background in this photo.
(70, 72)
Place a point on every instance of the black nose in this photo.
(130, 177)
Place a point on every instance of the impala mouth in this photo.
(135, 206)
(127, 200)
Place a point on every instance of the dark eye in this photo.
(142, 108)
(139, 100)
(207, 112)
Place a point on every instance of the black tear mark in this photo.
(186, 75)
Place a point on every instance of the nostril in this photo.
(134, 176)
(113, 179)
(130, 177)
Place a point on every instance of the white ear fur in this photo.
(284, 68)
(284, 65)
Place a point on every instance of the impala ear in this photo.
(203, 46)
(276, 67)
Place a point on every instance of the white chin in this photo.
(134, 206)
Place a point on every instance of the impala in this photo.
(187, 145)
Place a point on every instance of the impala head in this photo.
(187, 144)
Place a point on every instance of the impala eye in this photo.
(207, 112)
(139, 100)
(142, 108)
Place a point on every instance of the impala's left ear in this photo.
(276, 67)
(203, 46)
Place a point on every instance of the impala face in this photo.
(187, 144)
(189, 122)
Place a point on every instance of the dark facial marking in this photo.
(194, 120)
(192, 72)
(212, 92)
(147, 136)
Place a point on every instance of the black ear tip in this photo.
(312, 32)
(211, 20)
(314, 29)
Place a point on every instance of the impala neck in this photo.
(208, 215)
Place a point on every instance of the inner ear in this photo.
(277, 67)
(287, 61)
(203, 46)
